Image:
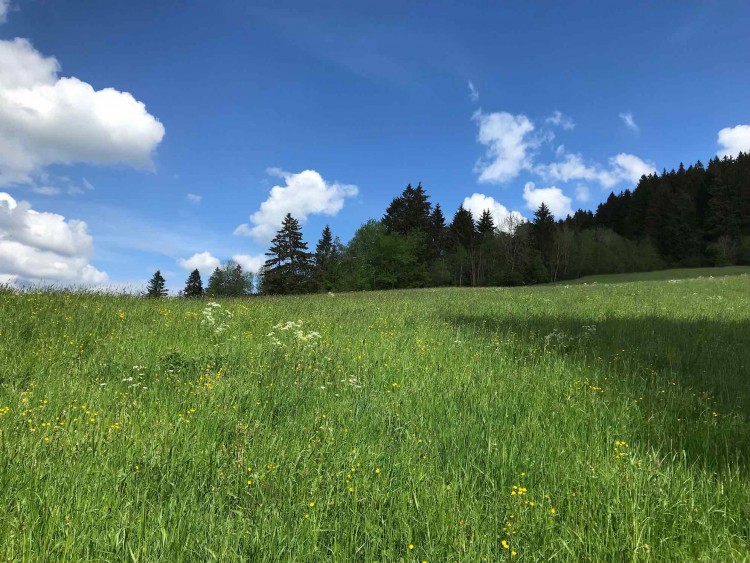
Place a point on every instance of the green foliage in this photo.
(377, 259)
(328, 258)
(228, 280)
(289, 268)
(351, 427)
(156, 286)
(193, 285)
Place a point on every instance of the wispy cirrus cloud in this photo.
(627, 119)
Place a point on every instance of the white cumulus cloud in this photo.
(305, 193)
(45, 119)
(553, 197)
(44, 246)
(629, 167)
(734, 140)
(559, 119)
(509, 144)
(477, 203)
(627, 119)
(205, 262)
(194, 198)
(250, 262)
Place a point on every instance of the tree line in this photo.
(699, 216)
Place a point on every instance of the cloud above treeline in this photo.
(512, 146)
(46, 119)
(302, 194)
(206, 263)
(733, 140)
(503, 217)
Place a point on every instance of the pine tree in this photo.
(289, 267)
(216, 284)
(486, 225)
(408, 212)
(156, 286)
(543, 229)
(463, 237)
(438, 234)
(327, 261)
(193, 285)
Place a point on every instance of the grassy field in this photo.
(574, 423)
(665, 275)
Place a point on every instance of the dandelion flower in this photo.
(411, 546)
(505, 544)
(312, 504)
(377, 470)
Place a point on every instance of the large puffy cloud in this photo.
(553, 197)
(734, 140)
(302, 194)
(509, 144)
(504, 218)
(44, 246)
(203, 261)
(48, 120)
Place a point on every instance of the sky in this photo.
(141, 135)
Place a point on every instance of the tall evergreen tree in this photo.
(156, 286)
(289, 266)
(193, 285)
(463, 237)
(327, 261)
(485, 225)
(543, 228)
(216, 284)
(408, 212)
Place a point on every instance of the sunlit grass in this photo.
(586, 423)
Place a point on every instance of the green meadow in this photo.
(605, 422)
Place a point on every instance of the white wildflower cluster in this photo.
(215, 318)
(136, 381)
(353, 381)
(291, 333)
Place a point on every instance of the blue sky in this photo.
(112, 113)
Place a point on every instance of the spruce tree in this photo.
(156, 286)
(216, 284)
(463, 238)
(193, 285)
(543, 229)
(289, 266)
(408, 212)
(486, 225)
(327, 261)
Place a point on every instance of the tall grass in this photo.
(577, 423)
